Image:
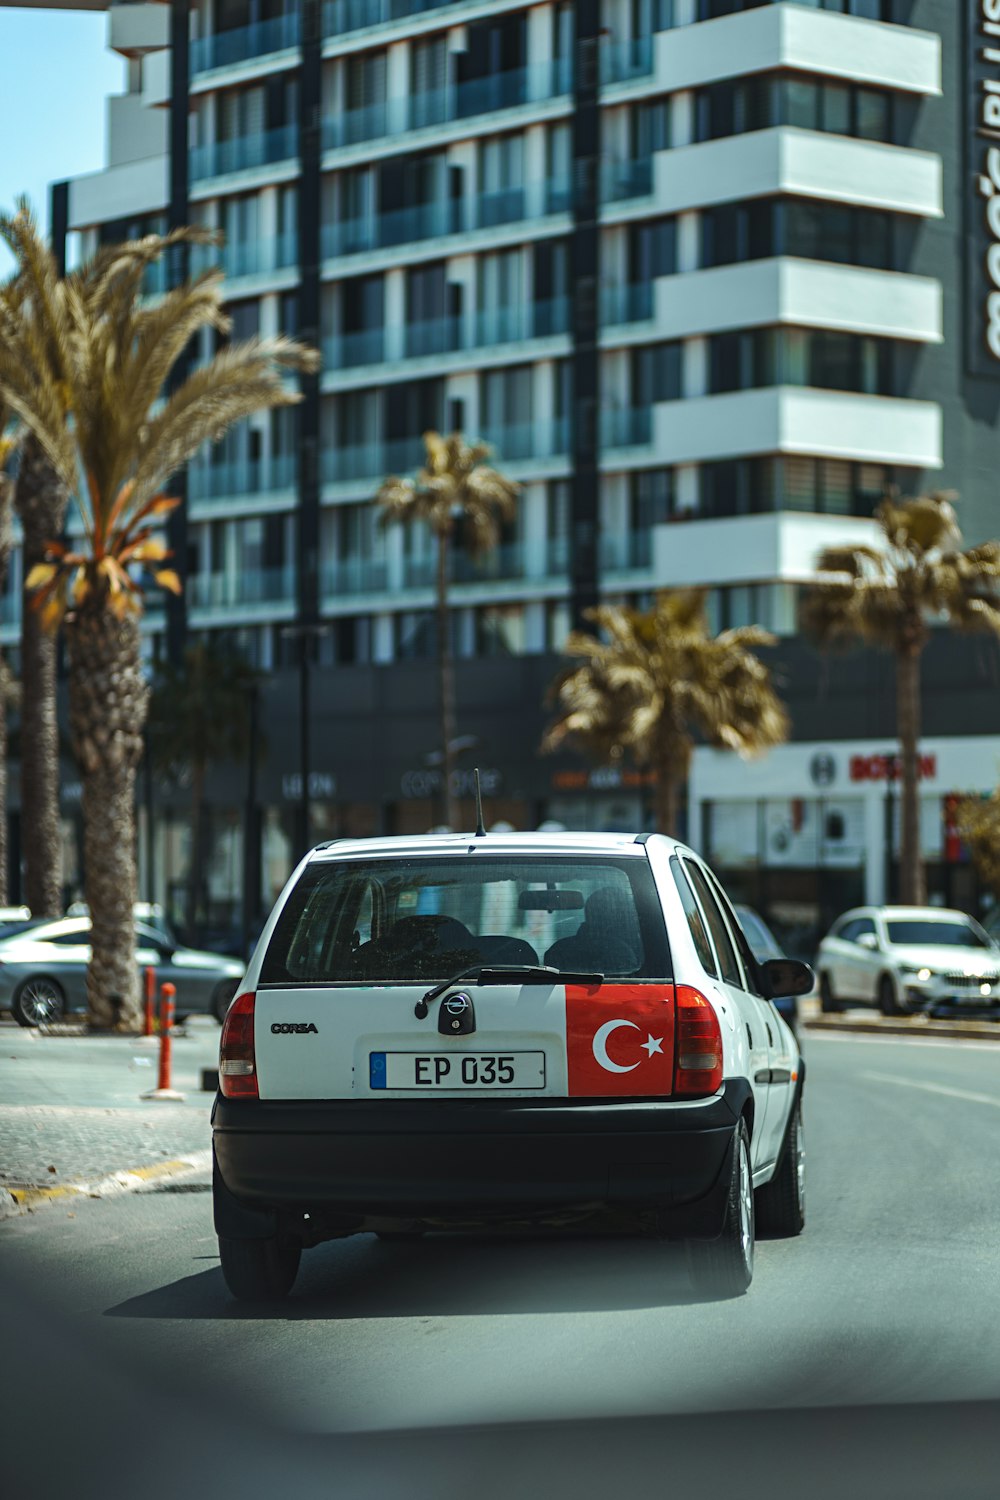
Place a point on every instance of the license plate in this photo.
(427, 1071)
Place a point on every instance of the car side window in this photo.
(695, 921)
(848, 932)
(864, 925)
(743, 948)
(732, 972)
(69, 939)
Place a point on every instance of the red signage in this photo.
(890, 767)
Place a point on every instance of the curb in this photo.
(941, 1031)
(15, 1201)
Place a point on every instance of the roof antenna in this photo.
(480, 827)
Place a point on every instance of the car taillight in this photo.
(237, 1061)
(699, 1044)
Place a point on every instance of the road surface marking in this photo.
(935, 1088)
(27, 1199)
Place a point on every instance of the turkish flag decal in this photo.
(620, 1040)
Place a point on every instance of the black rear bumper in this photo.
(352, 1164)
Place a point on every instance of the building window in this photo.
(735, 107)
(869, 10)
(751, 486)
(735, 232)
(656, 373)
(822, 358)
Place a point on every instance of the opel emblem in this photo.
(457, 1005)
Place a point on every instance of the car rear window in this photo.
(952, 934)
(384, 922)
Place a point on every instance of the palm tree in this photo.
(87, 373)
(8, 442)
(199, 716)
(457, 495)
(40, 499)
(888, 596)
(655, 678)
(978, 822)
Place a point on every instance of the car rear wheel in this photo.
(38, 1001)
(827, 999)
(887, 1002)
(222, 997)
(724, 1267)
(781, 1203)
(260, 1270)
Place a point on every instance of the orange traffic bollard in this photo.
(167, 993)
(150, 983)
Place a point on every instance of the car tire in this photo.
(828, 1002)
(887, 1002)
(222, 997)
(261, 1270)
(38, 1001)
(781, 1203)
(723, 1268)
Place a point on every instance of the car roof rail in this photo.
(327, 844)
(641, 838)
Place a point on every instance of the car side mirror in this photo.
(868, 940)
(785, 977)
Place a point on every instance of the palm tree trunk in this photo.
(446, 667)
(108, 699)
(41, 504)
(665, 799)
(912, 880)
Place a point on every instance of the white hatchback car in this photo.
(906, 959)
(462, 1030)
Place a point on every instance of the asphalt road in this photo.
(892, 1295)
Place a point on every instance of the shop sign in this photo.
(890, 767)
(983, 186)
(427, 783)
(322, 786)
(602, 779)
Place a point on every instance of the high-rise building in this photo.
(796, 235)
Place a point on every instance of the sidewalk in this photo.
(72, 1114)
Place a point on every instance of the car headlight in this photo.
(917, 972)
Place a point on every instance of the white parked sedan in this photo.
(906, 959)
(458, 1031)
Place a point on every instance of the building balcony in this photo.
(534, 84)
(621, 62)
(808, 163)
(245, 479)
(259, 257)
(215, 591)
(798, 420)
(799, 293)
(623, 305)
(243, 153)
(623, 180)
(519, 444)
(353, 576)
(486, 329)
(227, 49)
(430, 221)
(626, 427)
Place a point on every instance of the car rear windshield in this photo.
(949, 934)
(384, 922)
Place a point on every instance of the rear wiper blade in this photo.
(506, 974)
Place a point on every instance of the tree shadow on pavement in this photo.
(445, 1276)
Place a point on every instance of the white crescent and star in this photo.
(650, 1045)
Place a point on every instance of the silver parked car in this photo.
(43, 971)
(905, 959)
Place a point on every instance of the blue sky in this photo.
(57, 72)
